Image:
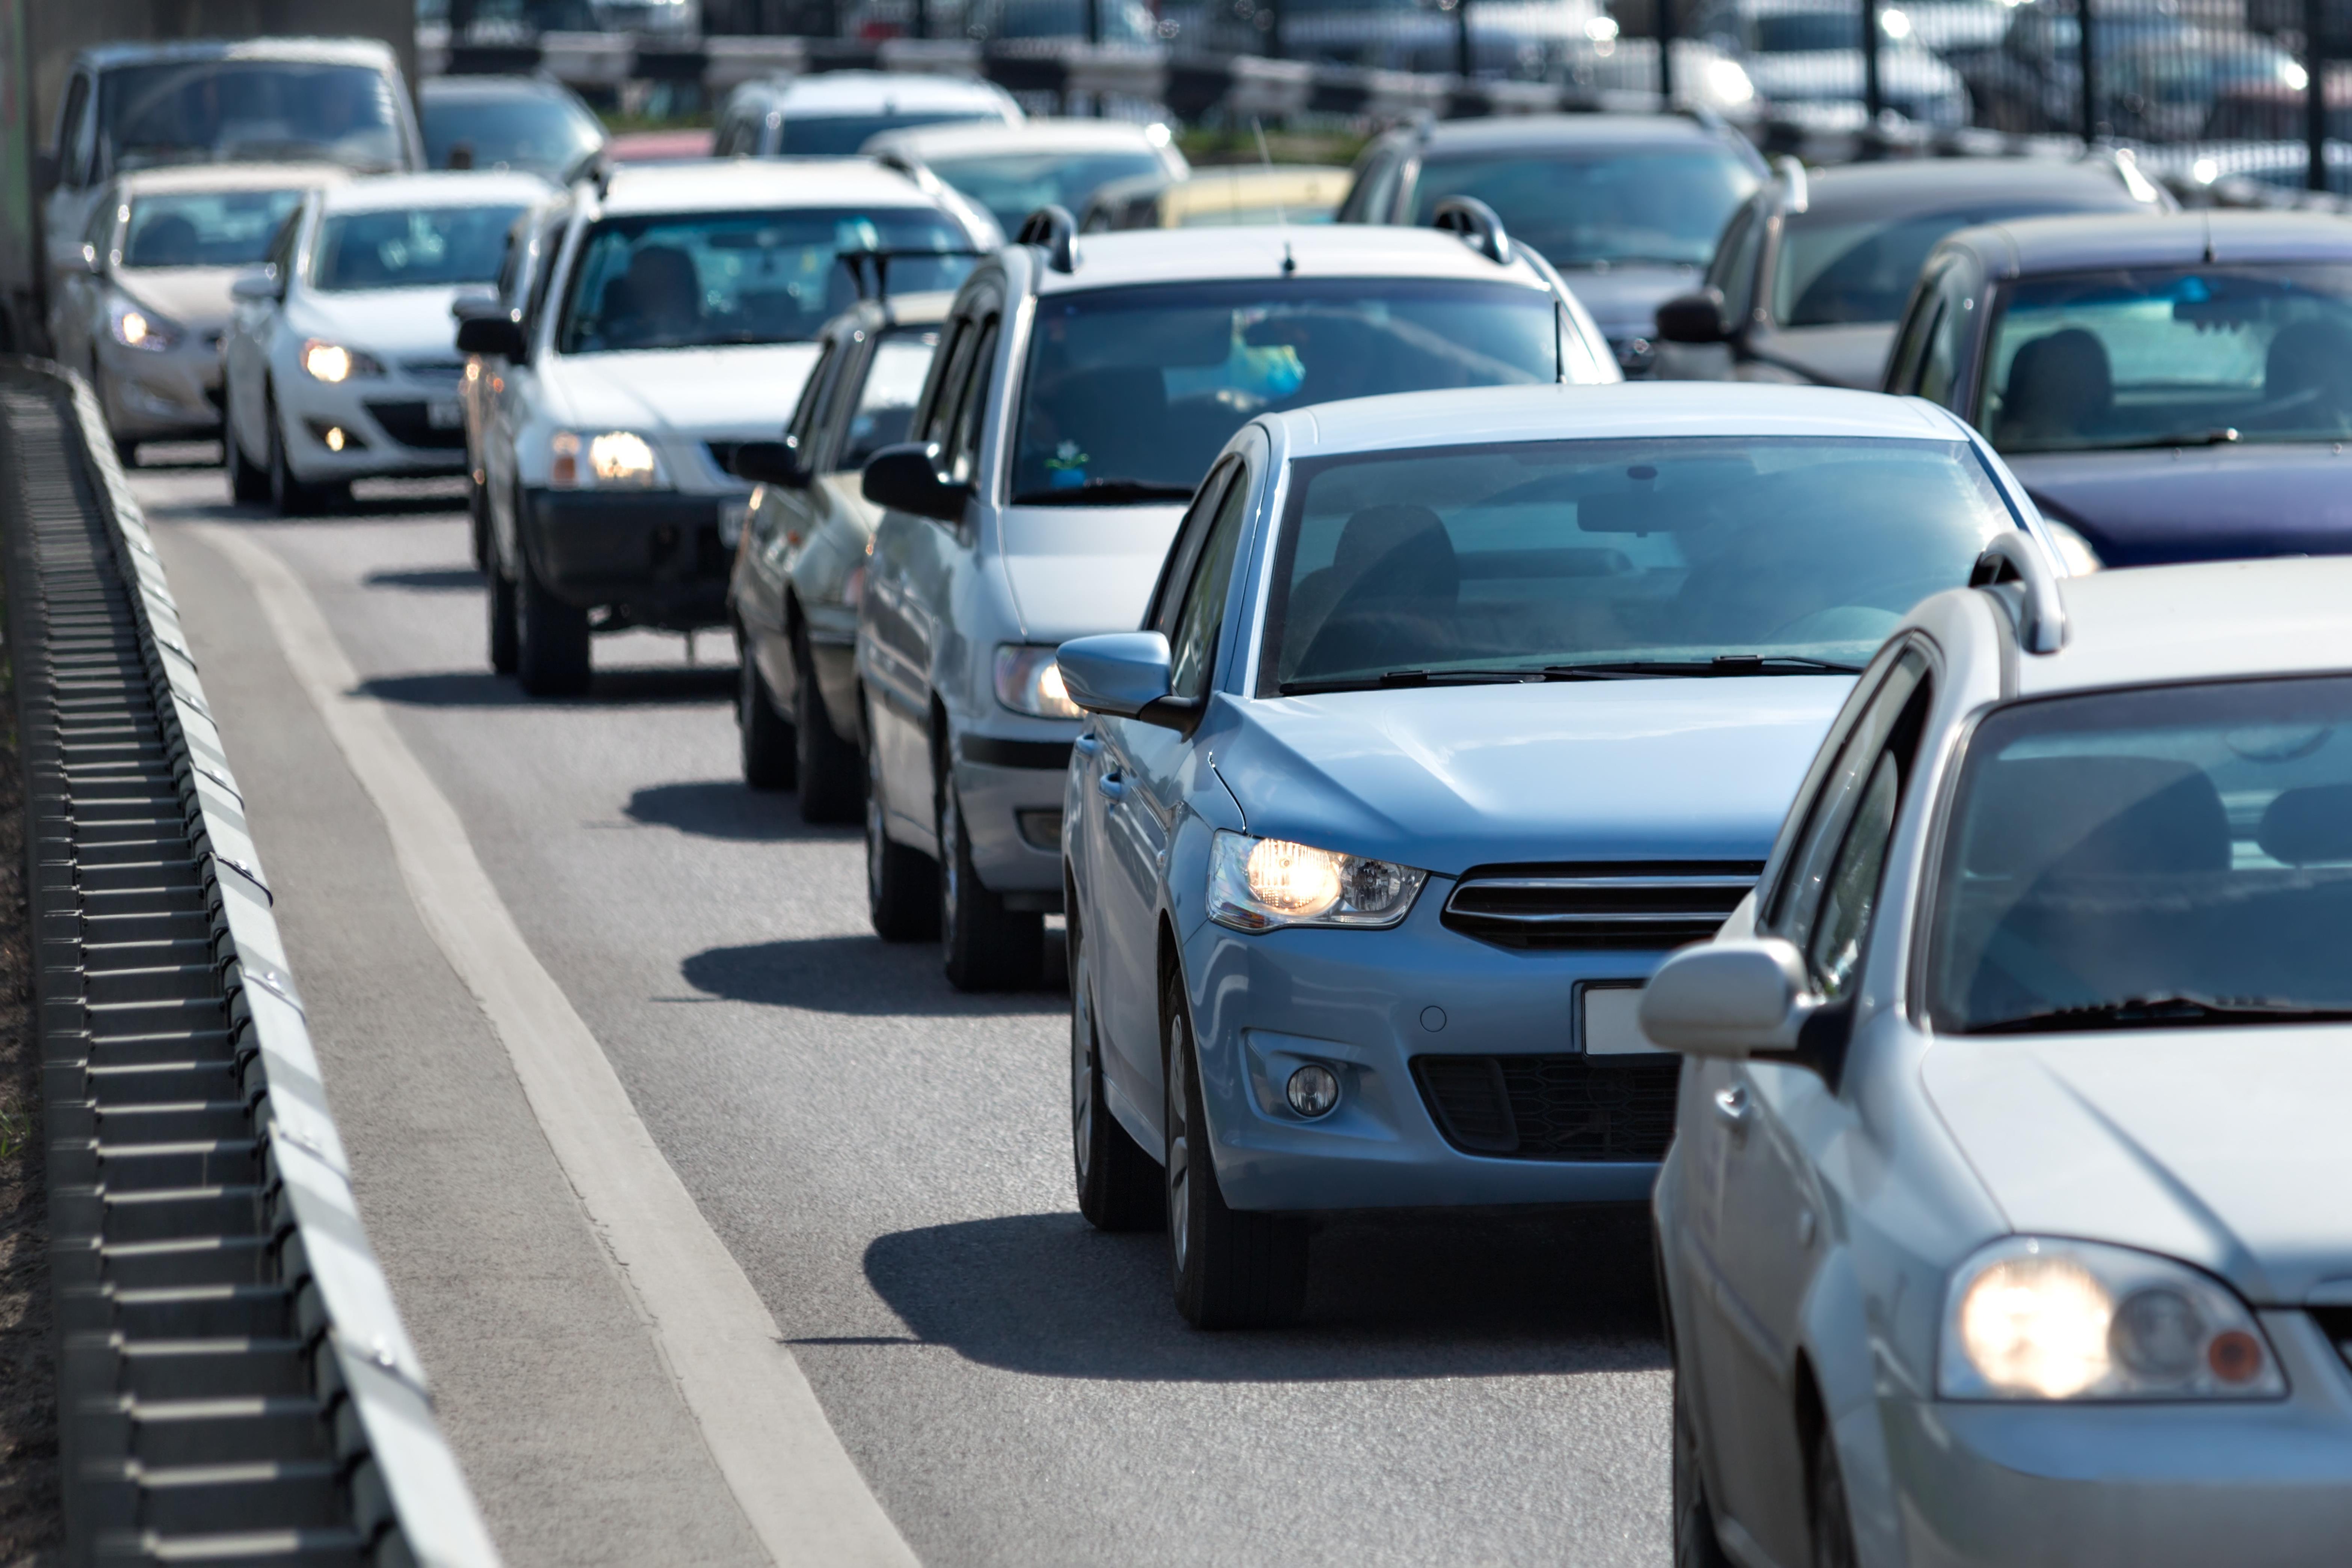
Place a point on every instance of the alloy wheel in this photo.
(1179, 1190)
(950, 859)
(1081, 1061)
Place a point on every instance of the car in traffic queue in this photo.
(1013, 169)
(336, 364)
(533, 124)
(525, 267)
(1805, 59)
(833, 114)
(1084, 387)
(1626, 207)
(2173, 388)
(1998, 1225)
(1450, 715)
(800, 570)
(677, 320)
(1231, 196)
(143, 312)
(1811, 275)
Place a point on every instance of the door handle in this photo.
(1112, 786)
(1087, 744)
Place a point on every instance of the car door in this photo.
(1137, 767)
(514, 390)
(783, 516)
(1775, 1123)
(65, 213)
(80, 315)
(246, 362)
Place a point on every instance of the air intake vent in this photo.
(1646, 906)
(1553, 1107)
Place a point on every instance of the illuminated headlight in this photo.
(332, 363)
(2032, 1318)
(612, 459)
(136, 329)
(1730, 83)
(1029, 681)
(1257, 884)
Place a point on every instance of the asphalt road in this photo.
(887, 1160)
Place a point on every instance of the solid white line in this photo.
(797, 1485)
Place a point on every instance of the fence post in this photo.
(2085, 56)
(2314, 90)
(1873, 96)
(1665, 31)
(1094, 21)
(1462, 38)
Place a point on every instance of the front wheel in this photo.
(1695, 1542)
(1119, 1188)
(247, 482)
(550, 641)
(984, 945)
(292, 496)
(901, 884)
(504, 635)
(1833, 1520)
(763, 737)
(832, 774)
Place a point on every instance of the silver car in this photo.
(2004, 1221)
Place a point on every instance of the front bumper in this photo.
(172, 395)
(1366, 1004)
(2251, 1484)
(390, 426)
(653, 555)
(1012, 791)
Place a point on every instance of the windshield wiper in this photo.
(1721, 663)
(2224, 436)
(2164, 1012)
(1104, 492)
(1390, 680)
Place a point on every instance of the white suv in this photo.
(1079, 393)
(677, 320)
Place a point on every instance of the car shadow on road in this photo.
(1427, 1295)
(430, 580)
(725, 809)
(608, 688)
(862, 975)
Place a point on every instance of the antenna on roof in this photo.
(1274, 188)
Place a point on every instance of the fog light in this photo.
(1313, 1091)
(334, 437)
(1040, 829)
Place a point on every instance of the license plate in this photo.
(732, 515)
(445, 413)
(1612, 1025)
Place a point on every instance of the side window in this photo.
(959, 453)
(73, 144)
(100, 235)
(1167, 599)
(514, 264)
(1373, 179)
(803, 426)
(280, 258)
(1192, 651)
(954, 361)
(1911, 337)
(1733, 270)
(1939, 372)
(550, 241)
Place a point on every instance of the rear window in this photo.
(841, 136)
(205, 228)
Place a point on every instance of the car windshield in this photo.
(206, 111)
(2174, 855)
(1659, 556)
(894, 380)
(1847, 270)
(411, 247)
(537, 134)
(1802, 32)
(205, 228)
(840, 136)
(1131, 392)
(2172, 356)
(674, 280)
(1012, 186)
(1616, 208)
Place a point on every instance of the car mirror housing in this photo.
(254, 287)
(1693, 319)
(500, 335)
(1124, 675)
(907, 478)
(770, 463)
(1733, 999)
(475, 302)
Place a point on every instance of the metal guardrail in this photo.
(235, 1383)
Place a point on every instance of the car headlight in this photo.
(2034, 1319)
(135, 327)
(1257, 884)
(332, 363)
(610, 460)
(1029, 681)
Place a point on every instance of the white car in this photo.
(833, 114)
(337, 364)
(677, 319)
(1013, 169)
(1804, 57)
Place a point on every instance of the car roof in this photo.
(231, 177)
(887, 92)
(971, 138)
(2023, 247)
(1124, 257)
(927, 308)
(2207, 621)
(461, 188)
(1898, 188)
(1546, 132)
(729, 184)
(1478, 415)
(489, 88)
(318, 51)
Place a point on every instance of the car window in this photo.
(73, 143)
(1374, 190)
(1622, 208)
(1656, 556)
(1193, 652)
(1168, 594)
(1732, 273)
(1849, 894)
(2137, 858)
(204, 228)
(840, 136)
(1911, 337)
(959, 453)
(1012, 186)
(1835, 813)
(1845, 270)
(550, 241)
(946, 383)
(540, 135)
(410, 248)
(802, 425)
(886, 403)
(1939, 368)
(282, 246)
(99, 233)
(232, 111)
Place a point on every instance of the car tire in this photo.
(1118, 1185)
(765, 739)
(551, 639)
(1696, 1545)
(1833, 1519)
(478, 509)
(1232, 1269)
(902, 897)
(504, 635)
(983, 946)
(832, 774)
(287, 492)
(248, 484)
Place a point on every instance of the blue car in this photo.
(1451, 714)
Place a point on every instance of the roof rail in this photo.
(1477, 224)
(2126, 163)
(1791, 170)
(2018, 558)
(1054, 228)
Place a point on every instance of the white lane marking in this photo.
(798, 1487)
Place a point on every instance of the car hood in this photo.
(2143, 508)
(1450, 778)
(390, 323)
(745, 391)
(194, 297)
(1624, 300)
(1078, 570)
(1854, 355)
(2224, 1148)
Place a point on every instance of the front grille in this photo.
(1635, 905)
(408, 424)
(1552, 1108)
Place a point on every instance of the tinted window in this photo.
(2139, 859)
(693, 279)
(840, 136)
(538, 134)
(1012, 186)
(1512, 560)
(1836, 270)
(411, 247)
(208, 228)
(1193, 653)
(1664, 203)
(1129, 393)
(885, 404)
(199, 111)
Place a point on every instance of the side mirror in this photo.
(1693, 319)
(1124, 675)
(500, 336)
(770, 463)
(905, 478)
(256, 285)
(1733, 999)
(475, 302)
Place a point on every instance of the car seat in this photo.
(170, 241)
(1386, 598)
(2060, 387)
